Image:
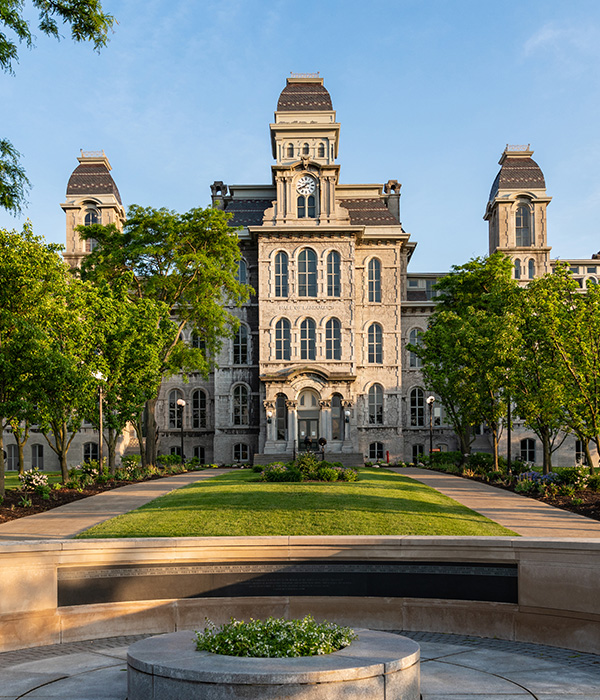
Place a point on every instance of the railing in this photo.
(305, 75)
(510, 147)
(92, 154)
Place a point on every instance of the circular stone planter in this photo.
(378, 666)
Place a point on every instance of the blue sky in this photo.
(428, 92)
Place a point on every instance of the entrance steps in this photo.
(347, 459)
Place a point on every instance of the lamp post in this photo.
(430, 402)
(180, 407)
(100, 377)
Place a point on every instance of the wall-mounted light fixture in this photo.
(269, 416)
(347, 414)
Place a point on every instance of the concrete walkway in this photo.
(453, 667)
(525, 516)
(71, 519)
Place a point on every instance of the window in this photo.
(376, 450)
(375, 349)
(591, 270)
(337, 425)
(198, 343)
(90, 452)
(301, 207)
(333, 340)
(281, 417)
(200, 454)
(91, 218)
(374, 275)
(307, 207)
(517, 269)
(430, 292)
(241, 453)
(175, 412)
(37, 456)
(307, 273)
(531, 269)
(321, 151)
(308, 340)
(523, 230)
(376, 405)
(312, 209)
(580, 457)
(198, 409)
(12, 457)
(240, 405)
(242, 272)
(417, 408)
(528, 450)
(417, 452)
(415, 338)
(241, 346)
(281, 274)
(305, 149)
(175, 450)
(333, 274)
(283, 340)
(290, 150)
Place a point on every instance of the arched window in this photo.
(321, 151)
(241, 346)
(37, 456)
(376, 451)
(517, 269)
(333, 340)
(307, 273)
(174, 411)
(283, 340)
(333, 274)
(281, 416)
(374, 275)
(198, 409)
(376, 405)
(305, 149)
(198, 342)
(308, 340)
(337, 424)
(12, 457)
(417, 407)
(240, 405)
(301, 206)
(414, 338)
(312, 209)
(281, 274)
(242, 272)
(90, 452)
(528, 450)
(290, 150)
(200, 454)
(91, 218)
(241, 453)
(375, 349)
(523, 228)
(531, 269)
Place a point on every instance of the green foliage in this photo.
(450, 457)
(325, 473)
(274, 638)
(25, 502)
(573, 476)
(130, 461)
(308, 463)
(32, 479)
(13, 181)
(280, 472)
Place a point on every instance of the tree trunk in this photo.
(21, 449)
(494, 429)
(2, 466)
(140, 436)
(546, 451)
(151, 432)
(465, 444)
(64, 469)
(113, 436)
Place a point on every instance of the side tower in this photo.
(92, 198)
(516, 212)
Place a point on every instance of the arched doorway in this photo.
(308, 420)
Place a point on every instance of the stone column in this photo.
(292, 407)
(350, 436)
(325, 420)
(270, 432)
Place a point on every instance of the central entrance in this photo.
(308, 420)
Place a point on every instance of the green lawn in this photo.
(379, 503)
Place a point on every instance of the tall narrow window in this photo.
(240, 405)
(301, 206)
(91, 218)
(375, 349)
(321, 151)
(307, 273)
(90, 452)
(241, 453)
(517, 269)
(376, 450)
(312, 209)
(281, 274)
(376, 405)
(417, 407)
(414, 338)
(37, 456)
(308, 340)
(333, 339)
(523, 228)
(12, 459)
(242, 273)
(333, 274)
(200, 454)
(241, 346)
(305, 149)
(337, 424)
(417, 452)
(283, 340)
(290, 150)
(198, 409)
(174, 412)
(374, 275)
(528, 450)
(531, 269)
(580, 457)
(281, 416)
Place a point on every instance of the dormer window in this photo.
(321, 151)
(290, 150)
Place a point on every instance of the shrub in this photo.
(525, 486)
(91, 468)
(346, 474)
(44, 491)
(574, 476)
(130, 461)
(566, 490)
(25, 502)
(436, 458)
(327, 474)
(307, 463)
(280, 472)
(122, 474)
(274, 638)
(72, 484)
(594, 482)
(167, 460)
(257, 468)
(539, 478)
(480, 462)
(32, 478)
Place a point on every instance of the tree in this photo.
(88, 22)
(187, 262)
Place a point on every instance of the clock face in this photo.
(305, 185)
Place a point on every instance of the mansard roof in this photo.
(247, 212)
(309, 96)
(518, 172)
(92, 178)
(368, 212)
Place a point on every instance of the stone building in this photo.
(321, 351)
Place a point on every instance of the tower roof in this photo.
(92, 176)
(518, 172)
(304, 93)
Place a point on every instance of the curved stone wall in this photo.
(535, 590)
